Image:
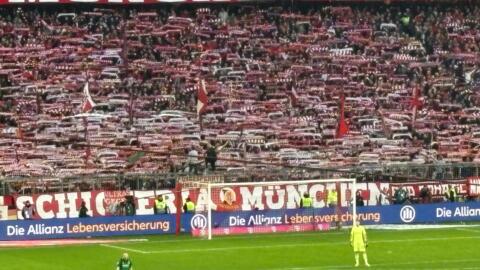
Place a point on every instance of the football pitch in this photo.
(452, 248)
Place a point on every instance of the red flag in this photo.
(28, 75)
(342, 128)
(416, 103)
(88, 103)
(202, 99)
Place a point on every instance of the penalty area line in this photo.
(125, 248)
(249, 236)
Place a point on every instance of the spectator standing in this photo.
(172, 167)
(425, 195)
(83, 210)
(332, 201)
(401, 195)
(193, 161)
(223, 15)
(384, 197)
(451, 194)
(28, 211)
(189, 206)
(120, 208)
(306, 201)
(332, 197)
(211, 158)
(359, 199)
(129, 206)
(160, 206)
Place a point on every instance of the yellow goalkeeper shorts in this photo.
(358, 247)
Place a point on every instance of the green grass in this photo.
(454, 248)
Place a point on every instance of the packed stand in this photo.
(274, 79)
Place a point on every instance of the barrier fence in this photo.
(387, 173)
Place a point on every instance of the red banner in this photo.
(99, 203)
(436, 188)
(270, 197)
(474, 186)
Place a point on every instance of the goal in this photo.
(270, 207)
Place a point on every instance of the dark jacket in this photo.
(83, 212)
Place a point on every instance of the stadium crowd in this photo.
(274, 76)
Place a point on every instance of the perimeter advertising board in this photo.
(256, 221)
(272, 220)
(86, 227)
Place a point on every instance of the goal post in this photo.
(269, 207)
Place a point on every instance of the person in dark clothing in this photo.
(425, 195)
(28, 211)
(359, 199)
(401, 195)
(211, 157)
(129, 206)
(83, 210)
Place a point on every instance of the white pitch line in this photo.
(283, 235)
(125, 249)
(468, 230)
(12, 248)
(377, 265)
(301, 245)
(137, 240)
(230, 237)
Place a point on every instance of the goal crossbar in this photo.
(273, 183)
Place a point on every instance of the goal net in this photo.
(270, 207)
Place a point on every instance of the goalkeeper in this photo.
(358, 240)
(124, 263)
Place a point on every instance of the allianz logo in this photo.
(407, 214)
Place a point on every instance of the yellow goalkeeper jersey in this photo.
(358, 238)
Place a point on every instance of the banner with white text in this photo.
(244, 198)
(240, 221)
(296, 219)
(86, 227)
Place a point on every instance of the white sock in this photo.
(356, 258)
(365, 258)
